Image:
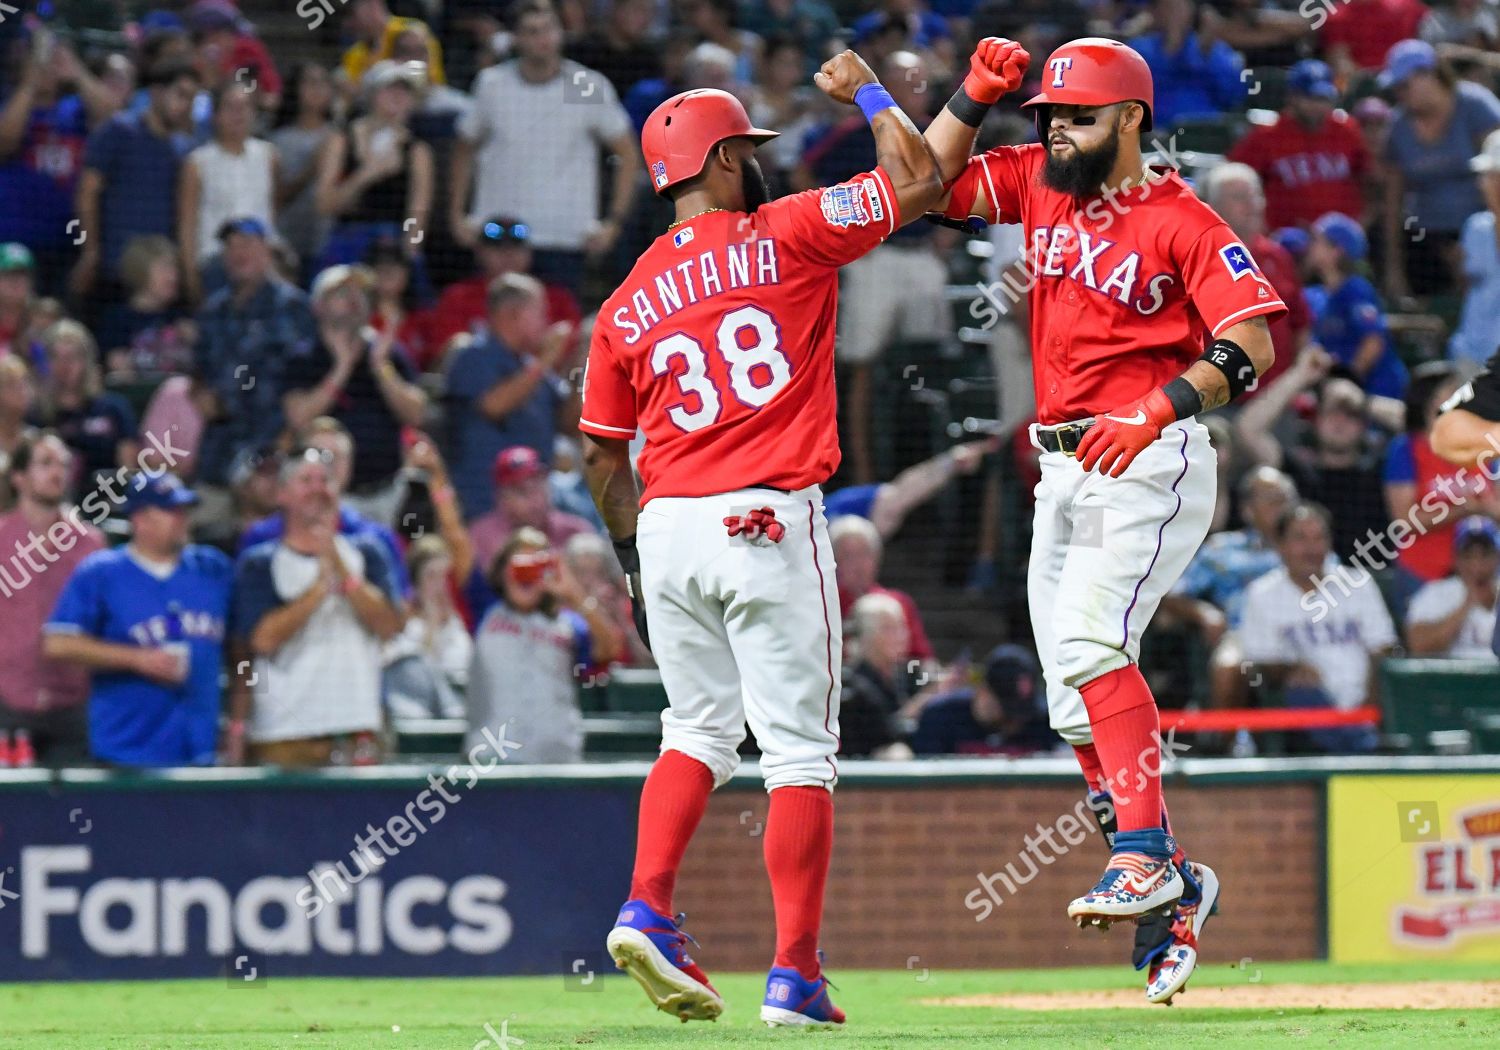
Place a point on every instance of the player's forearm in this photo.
(1462, 437)
(1211, 384)
(611, 481)
(951, 142)
(902, 154)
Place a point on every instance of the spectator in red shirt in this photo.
(522, 498)
(227, 44)
(1234, 191)
(1313, 159)
(39, 549)
(857, 551)
(1358, 33)
(504, 247)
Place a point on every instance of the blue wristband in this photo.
(873, 99)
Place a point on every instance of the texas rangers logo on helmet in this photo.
(844, 205)
(1239, 261)
(659, 172)
(1058, 65)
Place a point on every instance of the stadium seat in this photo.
(634, 691)
(1423, 697)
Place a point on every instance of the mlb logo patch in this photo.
(659, 172)
(682, 237)
(844, 205)
(1239, 261)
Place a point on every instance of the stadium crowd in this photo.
(291, 339)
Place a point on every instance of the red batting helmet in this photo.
(682, 131)
(1095, 71)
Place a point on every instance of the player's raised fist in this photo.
(843, 75)
(996, 68)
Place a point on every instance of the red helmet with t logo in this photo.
(1095, 71)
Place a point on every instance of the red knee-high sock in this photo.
(672, 804)
(799, 842)
(1122, 713)
(1093, 769)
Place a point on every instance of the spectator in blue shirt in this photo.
(247, 333)
(502, 390)
(1195, 74)
(148, 621)
(129, 182)
(1439, 123)
(1351, 325)
(43, 127)
(1477, 337)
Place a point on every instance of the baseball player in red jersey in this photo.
(719, 346)
(1145, 311)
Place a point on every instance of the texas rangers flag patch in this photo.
(659, 172)
(1239, 260)
(844, 205)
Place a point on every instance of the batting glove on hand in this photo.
(1115, 439)
(630, 561)
(757, 523)
(996, 68)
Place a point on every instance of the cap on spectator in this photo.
(502, 229)
(1011, 673)
(243, 224)
(160, 22)
(1476, 529)
(1344, 233)
(1312, 77)
(1372, 109)
(1293, 238)
(209, 16)
(386, 250)
(388, 71)
(165, 491)
(1404, 59)
(15, 256)
(335, 277)
(516, 464)
(1489, 154)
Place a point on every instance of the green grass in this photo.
(885, 1009)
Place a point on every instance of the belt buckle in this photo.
(1062, 445)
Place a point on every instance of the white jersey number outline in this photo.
(757, 373)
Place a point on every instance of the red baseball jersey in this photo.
(719, 345)
(1125, 293)
(1307, 173)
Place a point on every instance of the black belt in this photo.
(771, 488)
(1064, 438)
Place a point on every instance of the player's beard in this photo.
(1083, 172)
(753, 184)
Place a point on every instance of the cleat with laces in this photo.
(1133, 885)
(794, 1001)
(652, 948)
(1175, 961)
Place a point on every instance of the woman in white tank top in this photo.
(229, 177)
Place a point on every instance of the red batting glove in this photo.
(997, 67)
(1115, 439)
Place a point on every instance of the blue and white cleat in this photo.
(653, 949)
(1133, 885)
(1169, 974)
(793, 1000)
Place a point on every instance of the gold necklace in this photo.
(690, 218)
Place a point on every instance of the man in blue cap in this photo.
(1455, 617)
(1312, 158)
(148, 620)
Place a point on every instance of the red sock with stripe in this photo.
(799, 842)
(1122, 714)
(672, 804)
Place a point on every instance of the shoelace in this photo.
(826, 979)
(677, 921)
(756, 523)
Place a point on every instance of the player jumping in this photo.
(1145, 311)
(719, 345)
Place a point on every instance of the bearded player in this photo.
(1145, 312)
(719, 345)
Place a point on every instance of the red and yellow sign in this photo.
(1413, 867)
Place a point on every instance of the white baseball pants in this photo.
(1104, 551)
(745, 630)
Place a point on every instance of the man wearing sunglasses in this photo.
(1146, 310)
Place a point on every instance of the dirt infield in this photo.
(1434, 995)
